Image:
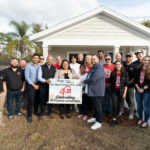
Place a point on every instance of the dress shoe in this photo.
(41, 118)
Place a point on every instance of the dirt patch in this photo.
(72, 134)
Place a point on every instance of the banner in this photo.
(65, 91)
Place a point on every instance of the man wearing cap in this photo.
(139, 55)
(130, 69)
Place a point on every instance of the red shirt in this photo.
(88, 68)
(142, 75)
(57, 66)
(108, 69)
(118, 81)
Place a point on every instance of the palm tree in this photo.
(37, 27)
(20, 42)
(146, 23)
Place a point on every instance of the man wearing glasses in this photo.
(107, 101)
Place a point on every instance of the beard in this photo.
(13, 66)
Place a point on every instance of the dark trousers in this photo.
(61, 109)
(44, 91)
(117, 101)
(33, 98)
(11, 96)
(97, 105)
(84, 105)
(130, 99)
(107, 101)
(24, 97)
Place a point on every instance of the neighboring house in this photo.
(101, 28)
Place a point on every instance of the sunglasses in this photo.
(107, 59)
(42, 58)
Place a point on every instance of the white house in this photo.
(101, 28)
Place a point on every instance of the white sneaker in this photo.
(76, 108)
(96, 125)
(120, 114)
(131, 116)
(91, 120)
(2, 124)
(148, 122)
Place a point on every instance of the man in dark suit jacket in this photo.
(45, 72)
(95, 89)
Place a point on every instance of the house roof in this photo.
(101, 10)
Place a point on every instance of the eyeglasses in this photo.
(42, 58)
(107, 59)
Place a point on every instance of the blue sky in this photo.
(52, 12)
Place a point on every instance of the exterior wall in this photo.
(100, 27)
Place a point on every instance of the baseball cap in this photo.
(128, 54)
(138, 51)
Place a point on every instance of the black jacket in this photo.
(123, 82)
(47, 73)
(137, 80)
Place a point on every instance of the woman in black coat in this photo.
(119, 82)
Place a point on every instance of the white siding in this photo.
(99, 27)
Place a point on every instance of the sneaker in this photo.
(2, 124)
(148, 122)
(114, 123)
(120, 114)
(19, 114)
(80, 116)
(85, 117)
(30, 119)
(40, 118)
(91, 120)
(11, 118)
(131, 116)
(68, 115)
(96, 125)
(76, 108)
(51, 116)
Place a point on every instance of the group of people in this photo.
(105, 87)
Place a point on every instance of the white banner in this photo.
(65, 91)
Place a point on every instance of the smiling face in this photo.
(128, 59)
(82, 69)
(35, 59)
(65, 65)
(118, 66)
(146, 61)
(73, 60)
(49, 60)
(14, 63)
(95, 60)
(108, 60)
(139, 56)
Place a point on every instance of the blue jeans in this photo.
(143, 99)
(107, 101)
(44, 91)
(11, 95)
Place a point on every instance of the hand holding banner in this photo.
(65, 91)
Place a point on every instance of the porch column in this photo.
(45, 51)
(148, 51)
(115, 50)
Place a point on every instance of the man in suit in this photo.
(95, 89)
(45, 72)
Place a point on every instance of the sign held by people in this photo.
(65, 91)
